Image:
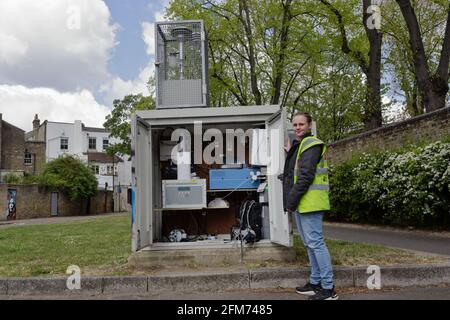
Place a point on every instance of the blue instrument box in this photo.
(233, 179)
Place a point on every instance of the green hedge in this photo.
(404, 188)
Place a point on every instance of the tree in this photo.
(71, 176)
(294, 55)
(371, 67)
(255, 57)
(399, 63)
(433, 87)
(118, 122)
(337, 101)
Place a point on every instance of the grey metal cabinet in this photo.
(146, 131)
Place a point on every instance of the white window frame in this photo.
(94, 139)
(28, 159)
(96, 168)
(66, 144)
(105, 146)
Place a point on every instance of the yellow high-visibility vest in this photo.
(317, 196)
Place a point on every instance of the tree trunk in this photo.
(433, 89)
(246, 21)
(372, 114)
(415, 109)
(279, 64)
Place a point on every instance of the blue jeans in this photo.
(309, 226)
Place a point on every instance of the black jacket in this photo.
(307, 171)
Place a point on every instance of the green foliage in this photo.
(409, 187)
(118, 122)
(12, 178)
(432, 17)
(25, 179)
(317, 76)
(70, 175)
(30, 179)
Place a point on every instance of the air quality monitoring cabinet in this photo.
(149, 129)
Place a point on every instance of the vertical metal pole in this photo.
(180, 39)
(242, 246)
(114, 191)
(106, 196)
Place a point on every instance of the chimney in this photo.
(36, 122)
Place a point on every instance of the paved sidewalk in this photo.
(411, 293)
(251, 279)
(430, 242)
(54, 220)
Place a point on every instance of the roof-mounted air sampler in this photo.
(181, 64)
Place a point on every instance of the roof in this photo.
(164, 117)
(58, 122)
(102, 157)
(11, 125)
(84, 128)
(92, 129)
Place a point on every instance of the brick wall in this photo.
(35, 202)
(429, 127)
(13, 147)
(122, 200)
(37, 150)
(12, 151)
(1, 130)
(102, 202)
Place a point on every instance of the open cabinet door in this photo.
(142, 206)
(280, 222)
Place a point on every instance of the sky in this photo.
(68, 60)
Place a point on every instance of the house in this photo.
(17, 155)
(89, 144)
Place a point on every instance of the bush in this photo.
(406, 188)
(71, 176)
(12, 178)
(30, 179)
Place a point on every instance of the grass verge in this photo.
(101, 247)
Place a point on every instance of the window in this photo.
(95, 169)
(92, 143)
(105, 144)
(27, 159)
(129, 195)
(64, 143)
(109, 170)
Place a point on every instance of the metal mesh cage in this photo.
(181, 63)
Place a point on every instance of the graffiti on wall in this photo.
(11, 210)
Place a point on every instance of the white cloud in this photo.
(61, 44)
(148, 35)
(159, 16)
(386, 100)
(18, 104)
(12, 50)
(148, 32)
(54, 54)
(117, 88)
